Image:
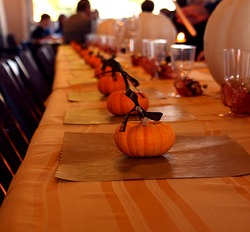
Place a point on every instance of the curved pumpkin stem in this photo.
(143, 114)
(116, 67)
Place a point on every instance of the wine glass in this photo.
(235, 92)
(182, 61)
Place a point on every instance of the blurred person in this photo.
(167, 13)
(151, 26)
(147, 6)
(79, 25)
(42, 30)
(61, 20)
(197, 13)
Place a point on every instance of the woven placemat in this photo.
(94, 157)
(171, 113)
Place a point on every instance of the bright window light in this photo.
(106, 8)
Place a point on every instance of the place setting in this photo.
(133, 152)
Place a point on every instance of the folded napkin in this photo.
(80, 80)
(83, 96)
(190, 157)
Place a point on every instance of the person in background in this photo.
(152, 26)
(42, 31)
(167, 13)
(61, 20)
(198, 14)
(77, 26)
(147, 6)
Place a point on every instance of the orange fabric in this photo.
(37, 201)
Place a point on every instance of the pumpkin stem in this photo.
(144, 121)
(116, 67)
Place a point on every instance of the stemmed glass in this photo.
(182, 61)
(235, 92)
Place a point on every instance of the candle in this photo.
(180, 38)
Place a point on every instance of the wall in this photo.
(18, 17)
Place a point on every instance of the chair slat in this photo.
(12, 130)
(31, 70)
(17, 101)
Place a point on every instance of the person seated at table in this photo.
(167, 13)
(61, 20)
(79, 25)
(42, 30)
(152, 26)
(198, 14)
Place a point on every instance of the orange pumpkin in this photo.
(119, 104)
(84, 53)
(150, 140)
(99, 71)
(94, 61)
(107, 84)
(76, 46)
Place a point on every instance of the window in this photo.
(106, 8)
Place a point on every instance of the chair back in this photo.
(17, 101)
(6, 176)
(46, 57)
(31, 71)
(20, 75)
(12, 129)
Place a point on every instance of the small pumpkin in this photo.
(227, 27)
(85, 53)
(94, 61)
(77, 47)
(108, 84)
(99, 72)
(119, 104)
(150, 140)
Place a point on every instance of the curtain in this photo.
(3, 24)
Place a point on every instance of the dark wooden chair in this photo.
(6, 176)
(46, 58)
(9, 162)
(31, 70)
(17, 101)
(12, 130)
(24, 84)
(9, 153)
(13, 147)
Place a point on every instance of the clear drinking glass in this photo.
(235, 92)
(159, 50)
(146, 50)
(182, 59)
(158, 55)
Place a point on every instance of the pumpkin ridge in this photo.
(130, 145)
(159, 137)
(140, 138)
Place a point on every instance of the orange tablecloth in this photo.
(37, 201)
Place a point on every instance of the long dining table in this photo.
(38, 200)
